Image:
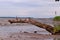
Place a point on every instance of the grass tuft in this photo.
(56, 28)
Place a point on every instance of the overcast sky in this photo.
(29, 8)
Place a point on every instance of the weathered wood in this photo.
(38, 24)
(44, 26)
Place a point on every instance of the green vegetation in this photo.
(57, 18)
(56, 28)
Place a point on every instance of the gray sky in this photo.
(29, 8)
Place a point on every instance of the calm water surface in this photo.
(13, 28)
(23, 28)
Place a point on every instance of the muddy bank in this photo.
(30, 36)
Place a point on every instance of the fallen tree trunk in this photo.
(40, 25)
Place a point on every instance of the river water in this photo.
(14, 28)
(7, 30)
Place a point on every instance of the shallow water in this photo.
(6, 30)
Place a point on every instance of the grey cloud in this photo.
(33, 5)
(32, 8)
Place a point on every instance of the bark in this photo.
(36, 23)
(40, 25)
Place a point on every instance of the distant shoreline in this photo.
(20, 17)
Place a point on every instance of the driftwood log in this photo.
(38, 24)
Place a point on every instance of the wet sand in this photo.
(30, 36)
